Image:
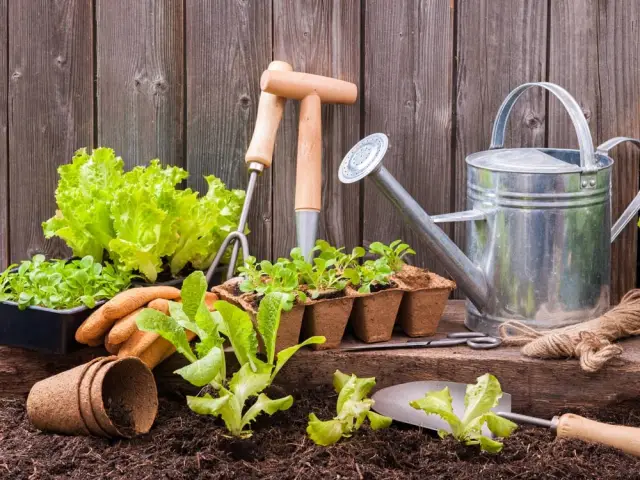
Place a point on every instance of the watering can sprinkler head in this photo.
(365, 160)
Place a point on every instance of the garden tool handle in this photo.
(298, 85)
(270, 108)
(634, 206)
(587, 153)
(623, 438)
(309, 161)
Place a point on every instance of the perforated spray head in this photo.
(363, 158)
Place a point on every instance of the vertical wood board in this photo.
(228, 45)
(619, 88)
(50, 110)
(140, 84)
(408, 96)
(4, 141)
(322, 38)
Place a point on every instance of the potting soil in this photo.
(183, 445)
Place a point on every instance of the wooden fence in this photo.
(179, 80)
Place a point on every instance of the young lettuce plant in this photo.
(352, 409)
(372, 273)
(267, 277)
(394, 253)
(207, 365)
(321, 276)
(478, 401)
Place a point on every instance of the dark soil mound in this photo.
(183, 445)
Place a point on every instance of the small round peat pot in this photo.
(107, 397)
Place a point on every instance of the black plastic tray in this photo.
(42, 329)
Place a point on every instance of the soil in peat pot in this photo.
(183, 445)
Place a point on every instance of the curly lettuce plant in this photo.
(139, 218)
(478, 401)
(352, 409)
(207, 365)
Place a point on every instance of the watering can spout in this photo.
(364, 159)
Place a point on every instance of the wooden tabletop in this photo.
(538, 387)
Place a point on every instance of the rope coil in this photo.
(591, 342)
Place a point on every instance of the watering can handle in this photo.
(587, 154)
(634, 206)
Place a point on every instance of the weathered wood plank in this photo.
(50, 110)
(321, 38)
(4, 142)
(408, 96)
(619, 87)
(500, 45)
(228, 45)
(140, 64)
(539, 387)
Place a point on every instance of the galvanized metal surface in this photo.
(539, 230)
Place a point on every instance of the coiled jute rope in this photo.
(591, 342)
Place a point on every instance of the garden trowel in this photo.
(394, 402)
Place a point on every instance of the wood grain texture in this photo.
(140, 66)
(500, 45)
(408, 96)
(320, 37)
(228, 46)
(50, 110)
(619, 88)
(4, 141)
(539, 387)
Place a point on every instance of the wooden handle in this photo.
(299, 85)
(309, 163)
(626, 439)
(270, 108)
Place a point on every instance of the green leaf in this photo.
(266, 405)
(481, 397)
(285, 354)
(246, 383)
(208, 369)
(378, 421)
(489, 445)
(151, 320)
(192, 293)
(339, 380)
(269, 313)
(239, 328)
(439, 403)
(324, 433)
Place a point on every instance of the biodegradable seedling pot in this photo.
(374, 314)
(327, 317)
(124, 398)
(290, 322)
(53, 404)
(84, 392)
(424, 301)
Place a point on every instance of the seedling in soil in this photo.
(61, 284)
(266, 277)
(371, 274)
(479, 400)
(207, 365)
(394, 253)
(352, 409)
(322, 276)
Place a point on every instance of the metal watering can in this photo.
(539, 224)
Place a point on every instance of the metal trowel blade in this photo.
(394, 402)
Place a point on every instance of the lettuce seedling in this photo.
(394, 253)
(61, 284)
(352, 409)
(372, 273)
(266, 277)
(478, 401)
(323, 275)
(207, 364)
